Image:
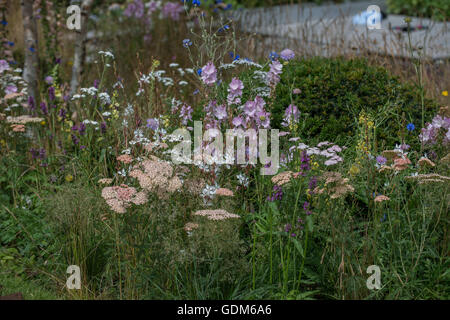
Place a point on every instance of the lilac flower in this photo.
(334, 148)
(186, 114)
(430, 134)
(291, 115)
(10, 89)
(103, 127)
(153, 124)
(287, 227)
(42, 154)
(221, 112)
(277, 194)
(4, 65)
(304, 166)
(62, 113)
(44, 108)
(34, 153)
(49, 80)
(82, 129)
(287, 54)
(331, 162)
(135, 8)
(312, 183)
(75, 139)
(238, 121)
(172, 10)
(381, 160)
(306, 208)
(209, 74)
(51, 93)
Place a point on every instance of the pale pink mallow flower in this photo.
(209, 74)
(4, 65)
(235, 91)
(273, 76)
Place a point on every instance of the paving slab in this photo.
(332, 25)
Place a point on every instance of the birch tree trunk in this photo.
(80, 44)
(30, 74)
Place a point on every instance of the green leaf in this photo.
(299, 247)
(310, 223)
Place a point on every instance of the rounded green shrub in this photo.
(335, 91)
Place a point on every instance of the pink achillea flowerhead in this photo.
(224, 192)
(125, 158)
(18, 127)
(190, 226)
(381, 198)
(401, 163)
(216, 215)
(282, 178)
(119, 198)
(105, 181)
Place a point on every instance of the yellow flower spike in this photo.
(69, 178)
(43, 123)
(445, 93)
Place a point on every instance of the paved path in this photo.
(331, 25)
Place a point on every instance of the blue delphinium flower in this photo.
(196, 2)
(224, 28)
(187, 43)
(273, 56)
(199, 72)
(410, 126)
(4, 22)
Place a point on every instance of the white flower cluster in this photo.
(106, 54)
(104, 98)
(139, 137)
(243, 180)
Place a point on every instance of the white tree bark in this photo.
(80, 43)
(30, 74)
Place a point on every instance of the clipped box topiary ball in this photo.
(334, 91)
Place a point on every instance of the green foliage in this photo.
(436, 9)
(335, 91)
